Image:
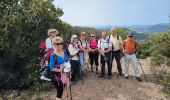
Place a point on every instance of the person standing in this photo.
(51, 34)
(116, 52)
(93, 52)
(105, 48)
(129, 48)
(57, 62)
(83, 44)
(73, 49)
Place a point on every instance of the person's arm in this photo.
(71, 50)
(52, 64)
(120, 42)
(99, 46)
(110, 47)
(48, 43)
(81, 47)
(123, 46)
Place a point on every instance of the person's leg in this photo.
(96, 61)
(126, 58)
(113, 55)
(102, 67)
(135, 65)
(81, 57)
(59, 88)
(117, 57)
(77, 70)
(73, 70)
(109, 65)
(91, 58)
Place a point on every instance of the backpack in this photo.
(46, 72)
(63, 77)
(130, 46)
(42, 48)
(107, 42)
(82, 42)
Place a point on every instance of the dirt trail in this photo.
(94, 88)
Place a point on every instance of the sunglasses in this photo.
(58, 44)
(83, 34)
(93, 36)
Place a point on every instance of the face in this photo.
(114, 32)
(75, 40)
(104, 35)
(58, 45)
(53, 34)
(83, 36)
(93, 37)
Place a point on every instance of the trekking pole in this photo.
(142, 69)
(70, 85)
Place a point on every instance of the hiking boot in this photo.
(127, 77)
(45, 78)
(138, 79)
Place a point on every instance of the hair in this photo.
(83, 32)
(73, 36)
(52, 30)
(57, 39)
(113, 28)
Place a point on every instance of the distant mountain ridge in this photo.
(161, 27)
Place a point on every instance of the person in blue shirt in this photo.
(57, 60)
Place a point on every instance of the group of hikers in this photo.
(71, 63)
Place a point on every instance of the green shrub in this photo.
(166, 83)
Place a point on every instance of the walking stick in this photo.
(142, 69)
(70, 85)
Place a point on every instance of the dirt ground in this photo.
(117, 88)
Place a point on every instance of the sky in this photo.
(114, 12)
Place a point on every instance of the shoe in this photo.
(138, 79)
(127, 77)
(45, 78)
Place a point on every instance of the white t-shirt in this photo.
(103, 44)
(71, 50)
(48, 43)
(83, 44)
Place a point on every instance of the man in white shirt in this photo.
(105, 48)
(117, 41)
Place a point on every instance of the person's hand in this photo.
(66, 70)
(68, 65)
(103, 54)
(75, 52)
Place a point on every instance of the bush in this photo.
(166, 83)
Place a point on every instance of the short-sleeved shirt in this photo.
(48, 43)
(116, 42)
(83, 44)
(104, 44)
